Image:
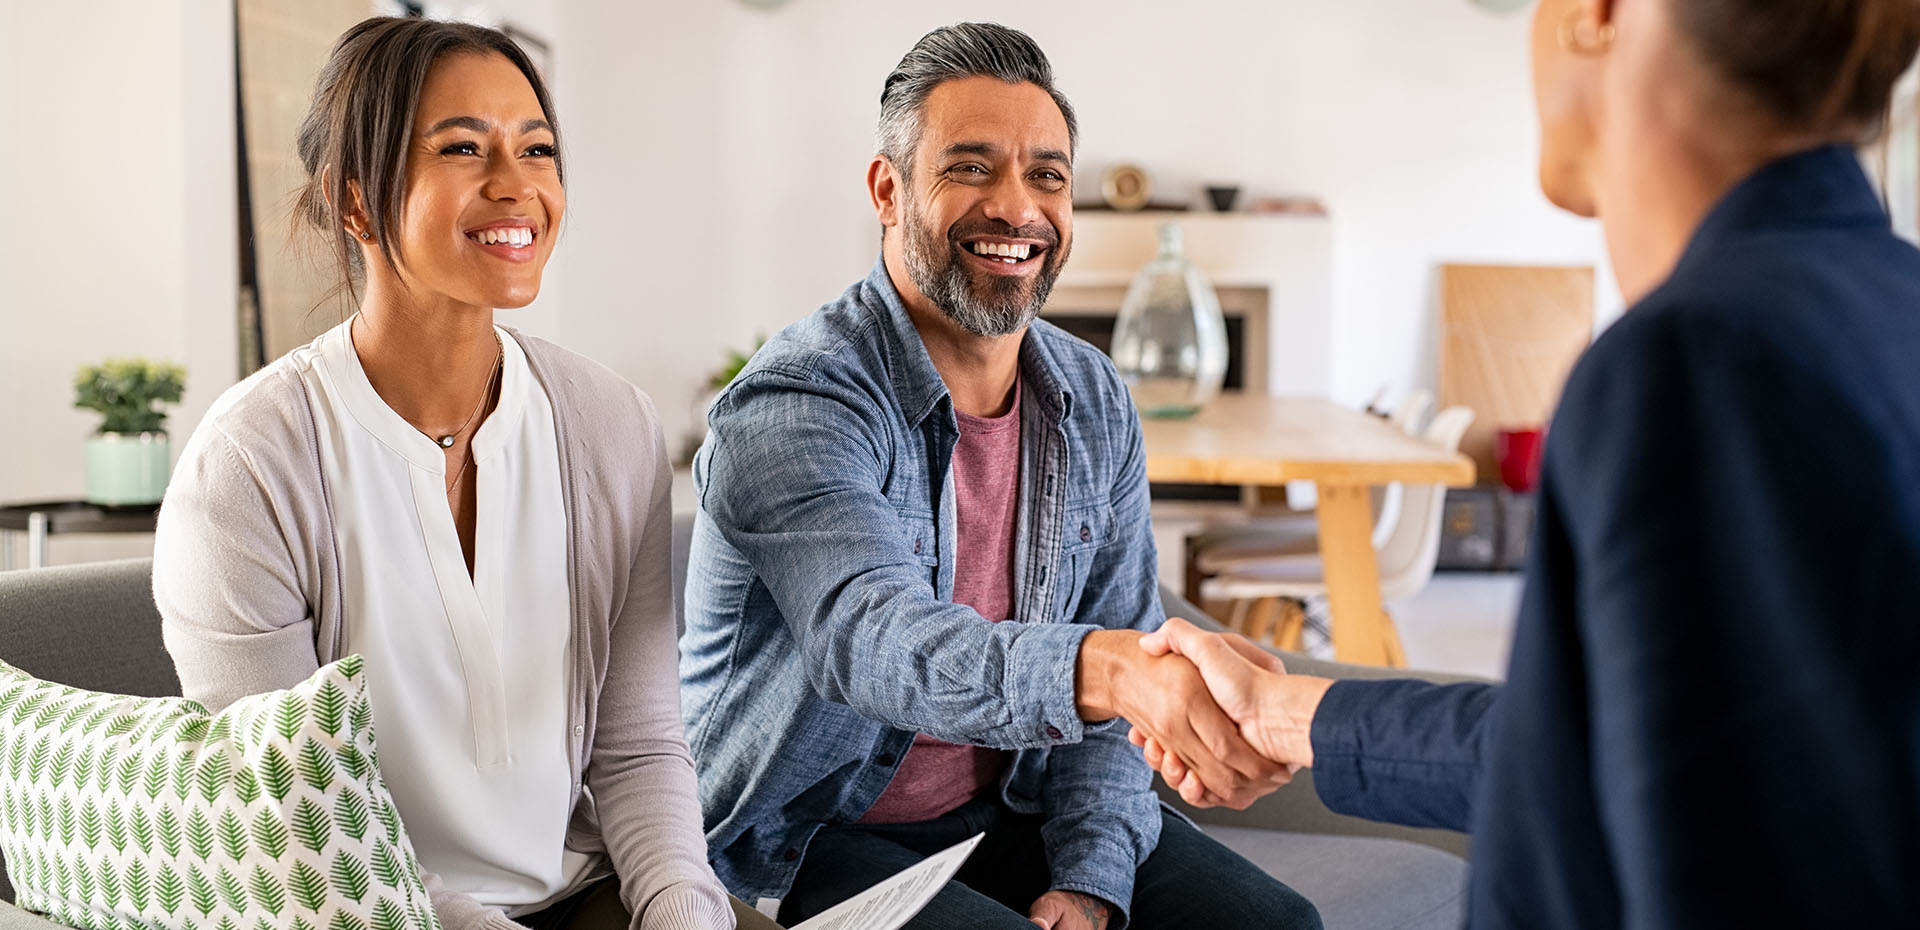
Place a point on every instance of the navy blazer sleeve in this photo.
(1405, 752)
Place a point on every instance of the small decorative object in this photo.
(1302, 206)
(1170, 341)
(1222, 196)
(736, 362)
(129, 459)
(1126, 188)
(1518, 453)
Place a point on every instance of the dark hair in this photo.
(1821, 66)
(959, 51)
(361, 121)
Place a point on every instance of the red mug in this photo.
(1518, 452)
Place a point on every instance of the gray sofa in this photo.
(95, 626)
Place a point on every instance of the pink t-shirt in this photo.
(937, 776)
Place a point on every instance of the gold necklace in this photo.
(499, 361)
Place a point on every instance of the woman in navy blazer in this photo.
(1712, 717)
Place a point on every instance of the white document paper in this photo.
(893, 902)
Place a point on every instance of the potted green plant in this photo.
(129, 458)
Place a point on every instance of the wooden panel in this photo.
(1254, 439)
(1508, 337)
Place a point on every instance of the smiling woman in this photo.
(405, 488)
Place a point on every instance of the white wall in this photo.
(718, 154)
(117, 143)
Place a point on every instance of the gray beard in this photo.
(999, 308)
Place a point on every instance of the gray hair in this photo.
(961, 50)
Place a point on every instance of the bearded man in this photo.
(923, 558)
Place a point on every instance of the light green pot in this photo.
(127, 469)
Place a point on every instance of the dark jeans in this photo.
(598, 907)
(1189, 881)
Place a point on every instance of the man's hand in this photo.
(1165, 697)
(1070, 910)
(1273, 710)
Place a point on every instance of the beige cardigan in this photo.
(247, 579)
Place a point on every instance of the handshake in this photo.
(1217, 716)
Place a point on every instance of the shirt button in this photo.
(790, 855)
(1054, 733)
(1086, 535)
(579, 729)
(916, 547)
(885, 758)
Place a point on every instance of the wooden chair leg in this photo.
(1237, 617)
(1266, 615)
(1396, 653)
(1291, 633)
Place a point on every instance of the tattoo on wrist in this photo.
(1092, 908)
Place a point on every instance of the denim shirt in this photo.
(821, 630)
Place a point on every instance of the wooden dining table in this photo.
(1248, 439)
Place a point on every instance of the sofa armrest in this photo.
(13, 918)
(1297, 808)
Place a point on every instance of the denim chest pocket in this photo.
(1087, 528)
(917, 529)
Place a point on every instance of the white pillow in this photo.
(123, 812)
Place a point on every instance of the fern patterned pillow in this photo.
(121, 812)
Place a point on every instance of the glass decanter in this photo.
(1170, 341)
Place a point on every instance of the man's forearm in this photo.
(1100, 671)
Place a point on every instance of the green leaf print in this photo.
(83, 769)
(388, 915)
(343, 920)
(268, 892)
(230, 890)
(200, 892)
(311, 825)
(194, 730)
(62, 877)
(137, 885)
(76, 712)
(316, 765)
(116, 826)
(97, 719)
(16, 689)
(290, 717)
(37, 763)
(355, 762)
(167, 824)
(50, 714)
(226, 923)
(350, 812)
(390, 819)
(154, 780)
(361, 714)
(45, 809)
(386, 866)
(199, 834)
(122, 725)
(169, 890)
(103, 766)
(62, 768)
(182, 781)
(246, 786)
(257, 726)
(83, 879)
(309, 887)
(128, 773)
(141, 826)
(269, 834)
(26, 815)
(109, 881)
(329, 708)
(212, 776)
(30, 706)
(67, 820)
(233, 836)
(349, 876)
(276, 773)
(300, 923)
(90, 825)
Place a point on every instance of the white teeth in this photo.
(516, 236)
(1010, 251)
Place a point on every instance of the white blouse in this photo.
(473, 748)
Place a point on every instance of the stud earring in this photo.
(366, 235)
